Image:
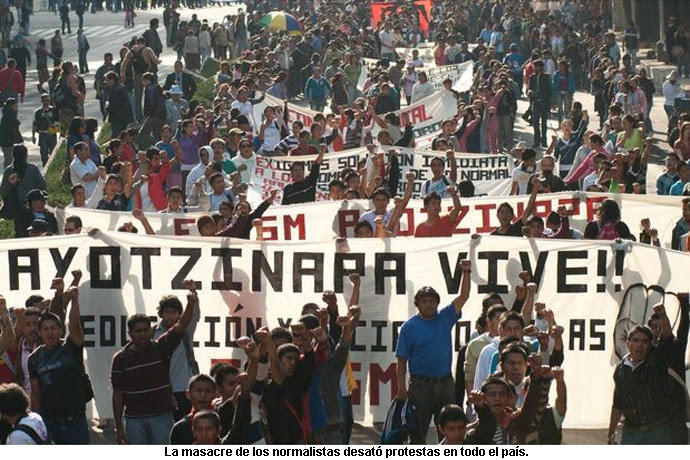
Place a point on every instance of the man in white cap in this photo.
(671, 89)
(175, 106)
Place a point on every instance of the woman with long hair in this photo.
(608, 225)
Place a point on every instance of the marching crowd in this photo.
(172, 150)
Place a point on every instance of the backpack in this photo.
(59, 96)
(400, 422)
(608, 232)
(139, 64)
(30, 432)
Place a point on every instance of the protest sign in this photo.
(322, 221)
(242, 286)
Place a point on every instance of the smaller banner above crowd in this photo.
(490, 174)
(325, 220)
(295, 112)
(426, 54)
(427, 115)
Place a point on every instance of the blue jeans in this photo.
(153, 430)
(70, 431)
(658, 434)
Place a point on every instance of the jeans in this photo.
(7, 157)
(70, 431)
(429, 397)
(138, 93)
(684, 64)
(153, 430)
(317, 104)
(670, 111)
(564, 102)
(657, 434)
(540, 114)
(65, 22)
(46, 142)
(505, 132)
(83, 63)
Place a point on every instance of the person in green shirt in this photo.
(631, 137)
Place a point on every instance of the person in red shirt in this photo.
(435, 225)
(11, 81)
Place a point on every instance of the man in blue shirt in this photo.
(515, 62)
(425, 344)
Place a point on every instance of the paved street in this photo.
(106, 33)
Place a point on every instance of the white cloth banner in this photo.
(583, 282)
(322, 221)
(295, 112)
(426, 54)
(490, 174)
(426, 115)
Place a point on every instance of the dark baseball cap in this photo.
(36, 194)
(39, 226)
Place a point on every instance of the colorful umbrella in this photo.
(282, 21)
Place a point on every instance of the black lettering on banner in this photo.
(396, 332)
(452, 281)
(563, 271)
(353, 344)
(32, 269)
(538, 272)
(106, 324)
(88, 330)
(298, 271)
(212, 321)
(379, 325)
(340, 272)
(273, 275)
(194, 255)
(492, 278)
(463, 333)
(229, 322)
(596, 334)
(227, 254)
(145, 254)
(577, 332)
(115, 281)
(62, 263)
(381, 273)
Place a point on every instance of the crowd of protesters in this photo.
(170, 153)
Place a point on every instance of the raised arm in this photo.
(450, 156)
(460, 300)
(666, 328)
(76, 333)
(529, 208)
(192, 304)
(139, 215)
(528, 306)
(263, 337)
(401, 204)
(561, 391)
(455, 212)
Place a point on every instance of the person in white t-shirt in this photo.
(28, 427)
(523, 172)
(439, 181)
(386, 37)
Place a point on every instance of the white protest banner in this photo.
(322, 221)
(490, 174)
(295, 112)
(461, 76)
(426, 115)
(426, 54)
(246, 285)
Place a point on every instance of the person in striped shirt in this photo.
(141, 381)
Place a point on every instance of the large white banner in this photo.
(322, 221)
(584, 282)
(490, 174)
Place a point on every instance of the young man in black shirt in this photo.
(301, 189)
(202, 389)
(56, 368)
(506, 214)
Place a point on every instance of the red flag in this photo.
(380, 10)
